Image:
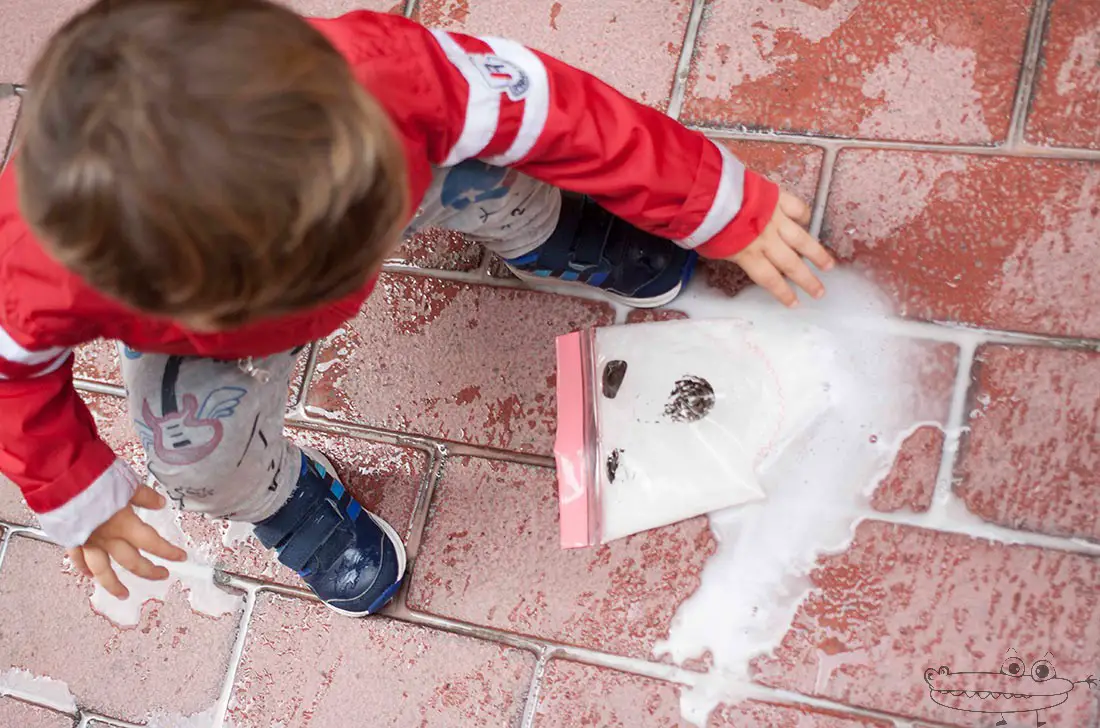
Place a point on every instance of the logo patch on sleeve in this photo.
(503, 75)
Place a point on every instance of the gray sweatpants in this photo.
(212, 430)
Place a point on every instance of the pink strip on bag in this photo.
(579, 504)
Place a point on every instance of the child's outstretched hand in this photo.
(777, 254)
(122, 537)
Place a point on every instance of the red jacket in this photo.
(452, 97)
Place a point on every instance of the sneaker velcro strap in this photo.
(319, 525)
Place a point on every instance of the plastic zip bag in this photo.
(661, 422)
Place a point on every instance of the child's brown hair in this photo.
(210, 161)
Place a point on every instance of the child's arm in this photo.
(498, 101)
(81, 492)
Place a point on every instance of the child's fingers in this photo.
(800, 239)
(794, 267)
(765, 275)
(77, 557)
(146, 538)
(795, 208)
(129, 558)
(146, 497)
(100, 565)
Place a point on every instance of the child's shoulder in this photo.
(39, 299)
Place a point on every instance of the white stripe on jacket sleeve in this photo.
(536, 104)
(71, 523)
(13, 352)
(727, 200)
(482, 108)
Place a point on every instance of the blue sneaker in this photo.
(352, 559)
(591, 247)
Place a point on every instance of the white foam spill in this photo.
(36, 689)
(817, 490)
(196, 576)
(235, 532)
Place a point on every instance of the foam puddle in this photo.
(195, 575)
(37, 689)
(818, 489)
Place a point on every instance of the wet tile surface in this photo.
(303, 665)
(997, 240)
(450, 360)
(1067, 94)
(910, 70)
(593, 697)
(1032, 460)
(23, 715)
(982, 241)
(26, 28)
(508, 570)
(632, 44)
(902, 599)
(121, 672)
(9, 111)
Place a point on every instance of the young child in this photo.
(215, 183)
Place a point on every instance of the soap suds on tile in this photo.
(816, 492)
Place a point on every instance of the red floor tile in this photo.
(912, 480)
(12, 507)
(793, 166)
(439, 250)
(651, 315)
(9, 109)
(583, 696)
(26, 28)
(304, 665)
(1032, 459)
(993, 242)
(468, 363)
(634, 45)
(902, 599)
(491, 556)
(98, 362)
(385, 480)
(332, 8)
(936, 71)
(21, 715)
(1066, 104)
(124, 673)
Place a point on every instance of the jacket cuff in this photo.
(71, 523)
(757, 207)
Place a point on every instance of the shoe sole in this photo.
(386, 528)
(556, 285)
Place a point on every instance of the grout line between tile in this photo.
(221, 710)
(9, 146)
(824, 186)
(1023, 150)
(437, 463)
(531, 706)
(957, 423)
(683, 64)
(87, 717)
(307, 377)
(1025, 86)
(112, 390)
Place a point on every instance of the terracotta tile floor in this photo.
(952, 152)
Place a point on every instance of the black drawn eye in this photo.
(1013, 666)
(1042, 670)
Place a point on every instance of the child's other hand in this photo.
(122, 537)
(777, 254)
